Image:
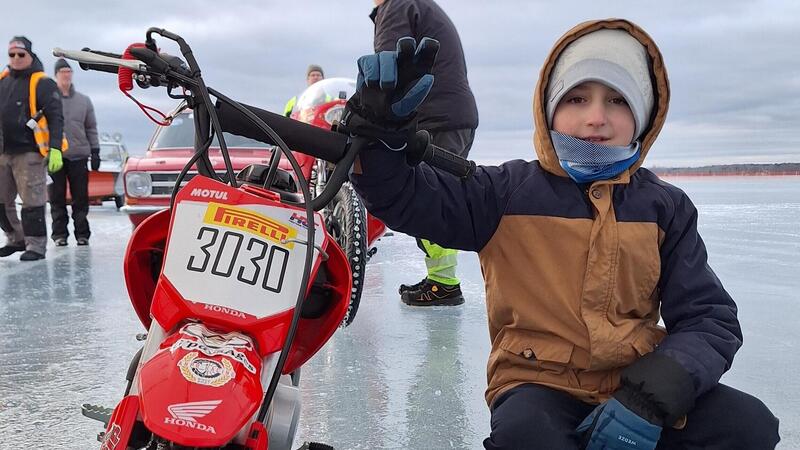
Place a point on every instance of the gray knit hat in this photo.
(314, 68)
(61, 63)
(612, 57)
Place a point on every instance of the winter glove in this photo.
(655, 391)
(54, 161)
(612, 426)
(390, 88)
(95, 159)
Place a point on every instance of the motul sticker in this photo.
(207, 372)
(111, 438)
(186, 415)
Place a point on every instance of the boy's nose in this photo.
(596, 115)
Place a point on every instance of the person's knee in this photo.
(757, 427)
(752, 426)
(530, 418)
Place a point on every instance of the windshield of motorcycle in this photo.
(180, 134)
(324, 91)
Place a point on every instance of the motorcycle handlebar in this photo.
(299, 136)
(422, 149)
(90, 59)
(331, 146)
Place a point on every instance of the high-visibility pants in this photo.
(441, 262)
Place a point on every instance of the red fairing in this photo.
(201, 387)
(119, 428)
(375, 229)
(143, 262)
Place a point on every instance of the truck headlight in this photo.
(138, 184)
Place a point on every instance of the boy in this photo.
(581, 252)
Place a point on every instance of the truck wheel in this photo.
(347, 223)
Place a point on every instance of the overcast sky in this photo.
(734, 65)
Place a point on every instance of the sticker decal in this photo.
(250, 221)
(215, 344)
(299, 220)
(206, 372)
(186, 414)
(111, 438)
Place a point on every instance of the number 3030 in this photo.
(225, 256)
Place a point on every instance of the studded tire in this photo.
(346, 222)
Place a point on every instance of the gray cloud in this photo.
(734, 66)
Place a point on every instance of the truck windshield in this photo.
(180, 134)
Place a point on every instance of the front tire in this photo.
(346, 222)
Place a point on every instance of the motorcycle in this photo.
(239, 282)
(346, 218)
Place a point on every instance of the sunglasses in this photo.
(17, 55)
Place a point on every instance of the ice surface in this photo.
(399, 377)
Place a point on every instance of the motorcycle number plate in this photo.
(246, 257)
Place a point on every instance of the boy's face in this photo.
(595, 113)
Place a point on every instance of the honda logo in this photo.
(186, 414)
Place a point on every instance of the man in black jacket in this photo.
(26, 152)
(80, 126)
(449, 114)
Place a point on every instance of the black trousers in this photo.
(78, 175)
(531, 416)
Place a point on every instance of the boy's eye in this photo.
(575, 99)
(619, 101)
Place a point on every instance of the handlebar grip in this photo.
(151, 58)
(299, 136)
(100, 67)
(422, 149)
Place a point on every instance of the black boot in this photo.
(10, 249)
(31, 255)
(412, 287)
(432, 293)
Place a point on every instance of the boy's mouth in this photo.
(595, 139)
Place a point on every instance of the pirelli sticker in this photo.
(251, 222)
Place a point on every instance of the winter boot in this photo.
(432, 293)
(411, 287)
(10, 249)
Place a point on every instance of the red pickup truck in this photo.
(150, 179)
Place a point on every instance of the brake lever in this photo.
(89, 57)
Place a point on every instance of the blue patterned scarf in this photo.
(585, 162)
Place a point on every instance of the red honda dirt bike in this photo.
(346, 218)
(238, 283)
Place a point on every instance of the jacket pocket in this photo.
(546, 351)
(647, 339)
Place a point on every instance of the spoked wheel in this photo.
(346, 221)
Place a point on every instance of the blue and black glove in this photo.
(655, 391)
(390, 88)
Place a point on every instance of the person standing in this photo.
(31, 116)
(80, 127)
(314, 73)
(449, 114)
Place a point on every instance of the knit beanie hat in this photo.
(612, 57)
(62, 63)
(314, 68)
(21, 42)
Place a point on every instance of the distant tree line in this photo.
(731, 170)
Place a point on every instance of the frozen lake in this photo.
(399, 377)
